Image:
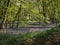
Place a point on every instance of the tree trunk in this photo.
(17, 16)
(4, 16)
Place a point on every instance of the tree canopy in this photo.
(21, 12)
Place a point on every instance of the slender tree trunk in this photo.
(17, 16)
(4, 16)
(57, 11)
(44, 10)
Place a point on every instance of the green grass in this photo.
(48, 37)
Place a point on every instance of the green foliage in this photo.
(47, 37)
(32, 10)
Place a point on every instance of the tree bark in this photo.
(2, 25)
(17, 16)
